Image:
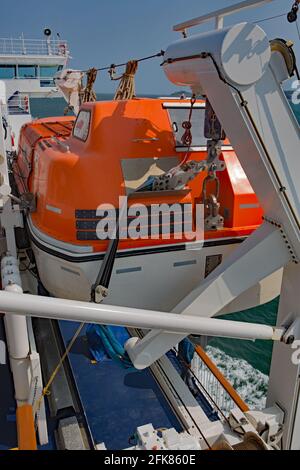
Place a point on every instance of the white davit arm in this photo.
(242, 78)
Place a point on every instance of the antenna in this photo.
(219, 15)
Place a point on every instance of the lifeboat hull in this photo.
(71, 166)
(152, 278)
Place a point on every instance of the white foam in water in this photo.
(250, 383)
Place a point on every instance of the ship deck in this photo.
(116, 401)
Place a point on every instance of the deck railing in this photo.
(39, 47)
(218, 390)
(17, 104)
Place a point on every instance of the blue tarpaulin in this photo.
(107, 342)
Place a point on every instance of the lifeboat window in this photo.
(82, 125)
(180, 114)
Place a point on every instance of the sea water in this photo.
(246, 364)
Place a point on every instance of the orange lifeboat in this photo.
(72, 166)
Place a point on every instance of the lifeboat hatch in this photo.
(136, 171)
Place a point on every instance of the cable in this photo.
(270, 18)
(298, 29)
(114, 66)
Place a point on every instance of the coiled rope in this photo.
(88, 93)
(126, 88)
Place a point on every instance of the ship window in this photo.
(48, 71)
(27, 71)
(181, 114)
(47, 83)
(7, 71)
(82, 125)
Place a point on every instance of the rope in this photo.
(58, 367)
(88, 93)
(126, 88)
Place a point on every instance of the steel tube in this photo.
(62, 309)
(244, 5)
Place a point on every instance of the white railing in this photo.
(215, 386)
(18, 104)
(48, 47)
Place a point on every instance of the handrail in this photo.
(222, 380)
(49, 47)
(219, 14)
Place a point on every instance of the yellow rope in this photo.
(58, 367)
(126, 88)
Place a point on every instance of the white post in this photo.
(219, 22)
(15, 326)
(16, 334)
(284, 375)
(4, 184)
(23, 45)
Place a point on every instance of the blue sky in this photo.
(102, 32)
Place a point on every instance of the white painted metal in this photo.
(149, 438)
(186, 407)
(18, 348)
(11, 47)
(267, 133)
(11, 217)
(36, 389)
(269, 424)
(183, 403)
(219, 15)
(284, 375)
(4, 183)
(273, 176)
(22, 52)
(37, 52)
(71, 279)
(61, 309)
(241, 270)
(266, 140)
(15, 326)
